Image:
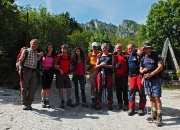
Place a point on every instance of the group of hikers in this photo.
(137, 71)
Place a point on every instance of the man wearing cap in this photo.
(151, 65)
(135, 81)
(91, 61)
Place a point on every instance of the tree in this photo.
(142, 36)
(81, 39)
(163, 21)
(9, 37)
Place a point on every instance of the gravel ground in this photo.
(12, 117)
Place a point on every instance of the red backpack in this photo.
(19, 55)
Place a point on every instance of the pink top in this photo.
(79, 69)
(47, 62)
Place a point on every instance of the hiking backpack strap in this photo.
(25, 57)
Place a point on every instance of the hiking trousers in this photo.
(122, 89)
(81, 80)
(136, 85)
(108, 86)
(29, 86)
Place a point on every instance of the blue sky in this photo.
(109, 11)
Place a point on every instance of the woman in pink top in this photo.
(79, 74)
(47, 63)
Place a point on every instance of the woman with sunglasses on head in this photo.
(47, 66)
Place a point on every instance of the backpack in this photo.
(155, 58)
(19, 55)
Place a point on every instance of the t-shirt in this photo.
(108, 61)
(150, 62)
(47, 62)
(133, 62)
(64, 62)
(123, 70)
(80, 69)
(92, 58)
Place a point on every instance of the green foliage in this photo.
(163, 21)
(80, 39)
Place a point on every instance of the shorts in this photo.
(47, 77)
(153, 87)
(93, 77)
(62, 81)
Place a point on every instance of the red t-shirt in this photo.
(123, 70)
(64, 62)
(80, 68)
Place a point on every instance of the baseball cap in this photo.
(147, 44)
(94, 44)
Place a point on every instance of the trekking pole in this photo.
(146, 84)
(103, 86)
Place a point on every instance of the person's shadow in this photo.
(172, 114)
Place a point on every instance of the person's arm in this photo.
(142, 70)
(85, 69)
(21, 59)
(56, 61)
(88, 58)
(40, 55)
(97, 64)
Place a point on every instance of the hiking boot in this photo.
(25, 107)
(77, 103)
(30, 107)
(93, 104)
(110, 105)
(131, 112)
(154, 115)
(84, 104)
(98, 106)
(141, 112)
(125, 108)
(47, 103)
(69, 103)
(159, 119)
(119, 106)
(62, 104)
(43, 103)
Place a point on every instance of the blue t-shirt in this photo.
(133, 62)
(150, 62)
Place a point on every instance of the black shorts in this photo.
(47, 77)
(62, 81)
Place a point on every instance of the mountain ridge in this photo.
(126, 29)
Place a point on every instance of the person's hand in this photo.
(19, 71)
(145, 70)
(148, 75)
(102, 64)
(61, 71)
(57, 67)
(41, 54)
